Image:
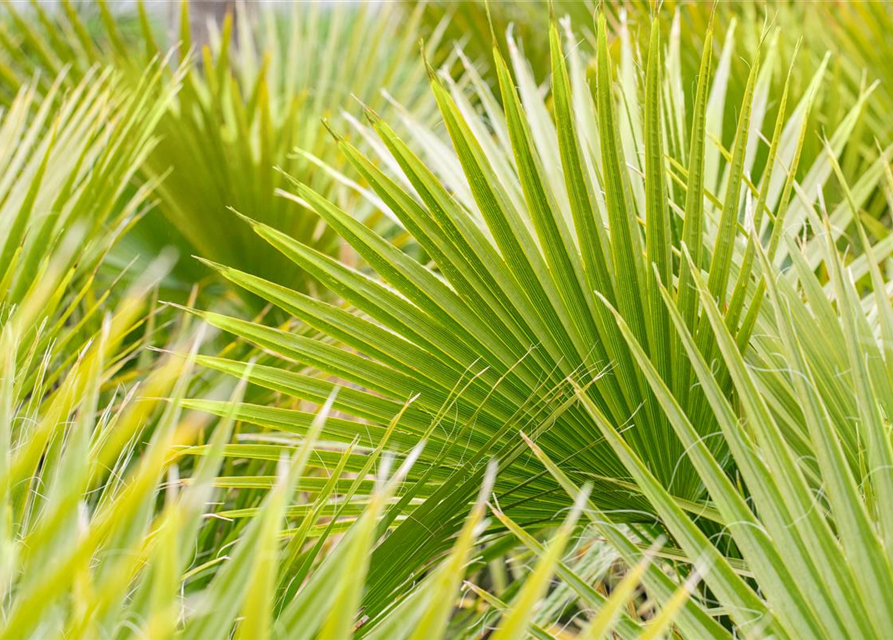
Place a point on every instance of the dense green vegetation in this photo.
(570, 322)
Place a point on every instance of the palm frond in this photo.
(550, 218)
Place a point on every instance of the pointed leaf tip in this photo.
(490, 23)
(372, 115)
(335, 135)
(216, 266)
(251, 221)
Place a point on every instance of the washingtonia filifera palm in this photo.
(537, 226)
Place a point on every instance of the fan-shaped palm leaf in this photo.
(528, 228)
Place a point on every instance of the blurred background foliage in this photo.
(247, 117)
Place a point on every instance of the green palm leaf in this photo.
(492, 332)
